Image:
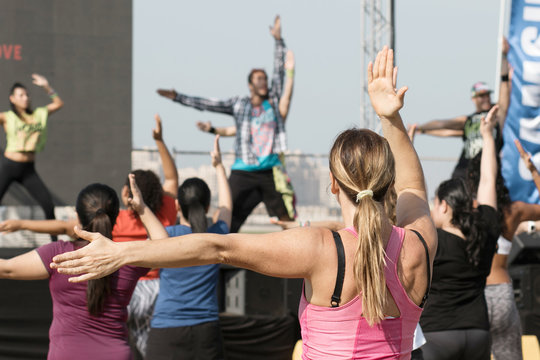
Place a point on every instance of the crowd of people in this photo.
(393, 280)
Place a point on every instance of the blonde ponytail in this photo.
(369, 260)
(363, 166)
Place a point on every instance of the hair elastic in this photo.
(363, 193)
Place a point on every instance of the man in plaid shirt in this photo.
(258, 173)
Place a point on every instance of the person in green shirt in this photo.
(26, 134)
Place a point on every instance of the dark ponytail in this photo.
(14, 87)
(97, 207)
(465, 217)
(194, 199)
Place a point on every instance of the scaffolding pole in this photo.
(376, 30)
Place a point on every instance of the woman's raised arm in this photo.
(56, 103)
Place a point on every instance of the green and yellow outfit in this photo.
(29, 136)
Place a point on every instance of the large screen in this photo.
(84, 49)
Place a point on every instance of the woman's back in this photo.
(188, 295)
(341, 332)
(73, 329)
(457, 291)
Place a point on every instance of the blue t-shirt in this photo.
(263, 124)
(188, 296)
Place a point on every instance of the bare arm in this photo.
(518, 213)
(286, 225)
(224, 210)
(27, 266)
(285, 100)
(526, 158)
(52, 227)
(221, 131)
(456, 123)
(292, 253)
(412, 209)
(488, 163)
(504, 87)
(444, 133)
(56, 103)
(2, 118)
(170, 184)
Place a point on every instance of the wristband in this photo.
(212, 130)
(52, 93)
(289, 73)
(304, 224)
(504, 78)
(531, 227)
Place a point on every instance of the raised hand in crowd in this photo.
(204, 126)
(170, 185)
(157, 132)
(208, 128)
(275, 30)
(527, 159)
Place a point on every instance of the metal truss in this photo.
(377, 30)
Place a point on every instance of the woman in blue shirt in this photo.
(185, 324)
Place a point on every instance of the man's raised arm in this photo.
(279, 59)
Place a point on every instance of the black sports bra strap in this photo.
(336, 297)
(428, 268)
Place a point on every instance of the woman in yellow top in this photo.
(26, 133)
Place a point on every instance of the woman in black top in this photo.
(455, 321)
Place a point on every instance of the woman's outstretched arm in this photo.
(27, 266)
(51, 227)
(292, 253)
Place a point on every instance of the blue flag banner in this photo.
(523, 120)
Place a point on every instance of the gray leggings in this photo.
(504, 322)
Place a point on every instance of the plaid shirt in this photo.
(240, 108)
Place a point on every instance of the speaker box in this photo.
(249, 293)
(25, 315)
(525, 249)
(526, 282)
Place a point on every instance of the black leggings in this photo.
(25, 174)
(465, 344)
(248, 189)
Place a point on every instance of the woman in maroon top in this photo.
(89, 319)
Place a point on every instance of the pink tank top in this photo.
(342, 333)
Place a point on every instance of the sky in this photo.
(206, 48)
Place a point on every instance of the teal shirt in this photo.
(263, 124)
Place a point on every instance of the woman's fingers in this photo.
(383, 62)
(82, 278)
(86, 235)
(389, 71)
(370, 72)
(376, 66)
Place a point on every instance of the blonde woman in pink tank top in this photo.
(364, 284)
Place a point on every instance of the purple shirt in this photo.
(74, 333)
